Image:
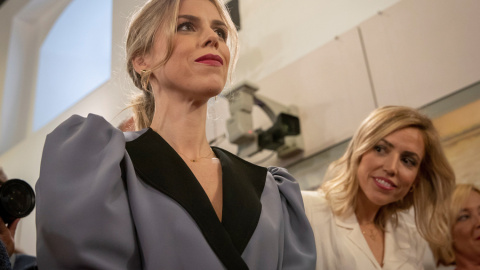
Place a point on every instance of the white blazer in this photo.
(341, 244)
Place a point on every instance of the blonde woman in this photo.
(464, 248)
(161, 197)
(359, 216)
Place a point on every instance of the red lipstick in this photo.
(210, 59)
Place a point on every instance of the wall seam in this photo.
(367, 65)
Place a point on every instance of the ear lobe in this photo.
(139, 64)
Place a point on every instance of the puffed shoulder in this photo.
(300, 251)
(80, 186)
(281, 176)
(79, 145)
(287, 185)
(93, 129)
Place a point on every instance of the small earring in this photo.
(216, 97)
(144, 78)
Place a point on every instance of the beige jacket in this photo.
(341, 244)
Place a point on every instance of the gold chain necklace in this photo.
(372, 235)
(197, 159)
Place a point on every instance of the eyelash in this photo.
(409, 162)
(222, 33)
(185, 24)
(463, 217)
(380, 149)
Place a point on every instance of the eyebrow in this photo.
(196, 19)
(389, 144)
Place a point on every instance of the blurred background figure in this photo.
(464, 250)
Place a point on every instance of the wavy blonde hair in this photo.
(161, 16)
(446, 254)
(432, 188)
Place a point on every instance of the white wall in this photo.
(411, 54)
(288, 48)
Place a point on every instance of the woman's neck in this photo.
(181, 123)
(464, 263)
(365, 210)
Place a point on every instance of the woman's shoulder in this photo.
(78, 127)
(315, 199)
(406, 219)
(80, 144)
(406, 232)
(92, 129)
(82, 183)
(285, 182)
(317, 207)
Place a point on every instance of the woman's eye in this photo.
(463, 217)
(379, 148)
(409, 162)
(222, 33)
(186, 26)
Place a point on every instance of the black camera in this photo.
(17, 200)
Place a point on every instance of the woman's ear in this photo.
(139, 64)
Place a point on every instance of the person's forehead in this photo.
(473, 200)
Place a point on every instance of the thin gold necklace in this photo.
(372, 235)
(197, 159)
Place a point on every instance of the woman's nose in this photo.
(390, 164)
(476, 220)
(211, 39)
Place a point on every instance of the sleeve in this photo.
(4, 260)
(82, 212)
(299, 243)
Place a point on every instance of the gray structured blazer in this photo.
(113, 200)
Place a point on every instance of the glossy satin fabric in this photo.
(89, 218)
(341, 244)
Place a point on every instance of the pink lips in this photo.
(210, 59)
(384, 183)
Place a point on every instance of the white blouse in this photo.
(341, 245)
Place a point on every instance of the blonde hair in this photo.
(431, 190)
(446, 254)
(161, 15)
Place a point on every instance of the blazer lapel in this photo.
(397, 245)
(353, 232)
(162, 168)
(243, 185)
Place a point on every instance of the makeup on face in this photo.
(388, 170)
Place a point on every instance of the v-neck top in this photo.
(113, 200)
(341, 244)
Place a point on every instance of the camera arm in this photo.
(283, 136)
